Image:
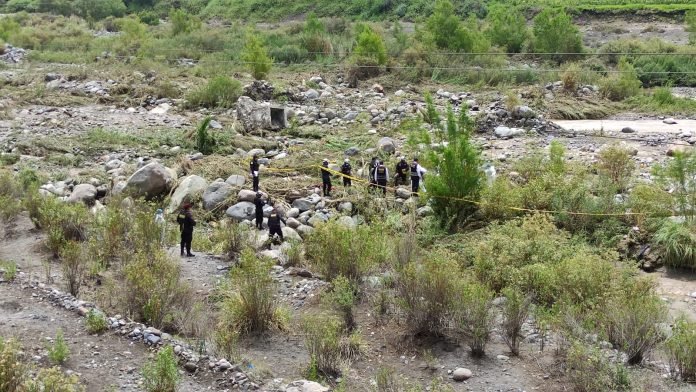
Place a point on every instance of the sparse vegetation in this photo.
(219, 92)
(58, 352)
(162, 374)
(96, 321)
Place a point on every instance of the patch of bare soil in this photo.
(598, 30)
(678, 287)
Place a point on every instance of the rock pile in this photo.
(12, 55)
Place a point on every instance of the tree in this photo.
(100, 9)
(370, 45)
(255, 55)
(446, 30)
(457, 187)
(554, 32)
(507, 28)
(182, 22)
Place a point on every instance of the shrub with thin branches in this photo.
(474, 318)
(58, 352)
(342, 298)
(73, 265)
(681, 350)
(162, 375)
(515, 311)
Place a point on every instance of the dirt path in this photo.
(104, 363)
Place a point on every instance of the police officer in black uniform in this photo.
(259, 203)
(402, 172)
(346, 169)
(381, 176)
(186, 224)
(254, 169)
(274, 225)
(325, 179)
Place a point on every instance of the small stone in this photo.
(190, 367)
(503, 357)
(628, 130)
(669, 121)
(461, 374)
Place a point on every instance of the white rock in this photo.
(461, 374)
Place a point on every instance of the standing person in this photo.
(159, 221)
(254, 169)
(402, 170)
(259, 203)
(325, 179)
(186, 224)
(417, 175)
(381, 176)
(274, 225)
(346, 170)
(371, 174)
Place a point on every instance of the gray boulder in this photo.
(241, 211)
(292, 222)
(352, 151)
(304, 230)
(246, 195)
(387, 145)
(346, 207)
(507, 133)
(256, 151)
(293, 213)
(216, 194)
(347, 222)
(189, 188)
(628, 130)
(150, 181)
(521, 112)
(83, 193)
(311, 94)
(253, 115)
(236, 180)
(461, 374)
(425, 211)
(403, 193)
(290, 234)
(303, 204)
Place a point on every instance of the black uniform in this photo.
(381, 176)
(401, 173)
(326, 180)
(373, 166)
(259, 203)
(415, 178)
(254, 169)
(186, 223)
(274, 225)
(346, 169)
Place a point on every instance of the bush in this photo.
(589, 371)
(323, 342)
(54, 380)
(96, 321)
(507, 28)
(152, 287)
(446, 31)
(690, 19)
(249, 305)
(369, 44)
(427, 293)
(73, 264)
(678, 244)
(219, 92)
(182, 22)
(632, 321)
(679, 174)
(515, 311)
(616, 164)
(681, 350)
(161, 375)
(205, 142)
(474, 317)
(621, 86)
(12, 369)
(99, 9)
(58, 353)
(255, 55)
(289, 54)
(555, 33)
(571, 77)
(335, 250)
(342, 299)
(663, 96)
(457, 188)
(9, 270)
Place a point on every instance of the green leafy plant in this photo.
(554, 32)
(73, 265)
(323, 342)
(589, 370)
(12, 369)
(681, 350)
(9, 269)
(255, 55)
(624, 85)
(58, 352)
(369, 44)
(182, 22)
(342, 298)
(474, 317)
(219, 92)
(678, 244)
(205, 142)
(507, 28)
(616, 164)
(96, 321)
(162, 374)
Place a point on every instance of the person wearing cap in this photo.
(254, 169)
(325, 178)
(402, 169)
(186, 224)
(159, 221)
(274, 225)
(346, 170)
(381, 176)
(371, 173)
(259, 203)
(417, 175)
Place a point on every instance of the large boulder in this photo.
(346, 222)
(246, 195)
(304, 230)
(253, 115)
(507, 133)
(387, 145)
(461, 374)
(290, 234)
(293, 223)
(303, 204)
(216, 194)
(403, 193)
(189, 188)
(83, 193)
(305, 386)
(236, 180)
(150, 181)
(242, 211)
(256, 151)
(521, 112)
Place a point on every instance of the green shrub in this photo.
(515, 311)
(219, 92)
(9, 269)
(289, 54)
(58, 352)
(370, 45)
(182, 22)
(54, 380)
(99, 9)
(8, 159)
(507, 28)
(427, 292)
(555, 33)
(460, 178)
(663, 96)
(633, 320)
(616, 164)
(621, 86)
(690, 19)
(342, 299)
(680, 175)
(681, 350)
(12, 368)
(678, 244)
(323, 342)
(162, 374)
(589, 370)
(205, 142)
(73, 265)
(152, 287)
(474, 317)
(249, 305)
(335, 250)
(96, 321)
(255, 55)
(446, 31)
